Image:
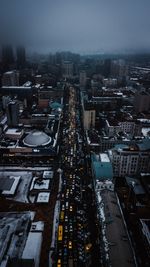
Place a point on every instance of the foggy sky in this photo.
(84, 26)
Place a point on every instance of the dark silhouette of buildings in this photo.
(21, 57)
(12, 111)
(7, 57)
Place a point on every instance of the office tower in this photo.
(130, 160)
(89, 115)
(7, 57)
(21, 57)
(142, 101)
(82, 78)
(10, 78)
(67, 69)
(12, 112)
(119, 68)
(107, 67)
(5, 101)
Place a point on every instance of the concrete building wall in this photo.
(89, 119)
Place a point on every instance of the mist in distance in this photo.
(82, 26)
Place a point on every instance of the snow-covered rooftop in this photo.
(37, 226)
(33, 247)
(39, 184)
(13, 131)
(10, 185)
(48, 174)
(104, 157)
(145, 131)
(43, 197)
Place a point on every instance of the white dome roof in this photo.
(37, 138)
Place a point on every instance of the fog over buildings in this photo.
(85, 26)
(74, 133)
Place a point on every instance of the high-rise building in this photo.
(67, 70)
(89, 115)
(82, 78)
(132, 159)
(107, 67)
(12, 112)
(7, 57)
(5, 100)
(119, 68)
(21, 57)
(142, 101)
(10, 78)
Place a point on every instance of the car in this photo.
(88, 246)
(66, 229)
(66, 218)
(65, 252)
(67, 195)
(70, 245)
(77, 199)
(60, 252)
(71, 192)
(59, 263)
(70, 228)
(65, 241)
(71, 208)
(80, 212)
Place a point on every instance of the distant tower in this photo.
(107, 67)
(21, 57)
(67, 69)
(119, 68)
(12, 112)
(10, 78)
(5, 101)
(82, 78)
(7, 57)
(142, 101)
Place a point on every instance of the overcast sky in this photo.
(85, 26)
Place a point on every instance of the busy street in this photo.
(74, 246)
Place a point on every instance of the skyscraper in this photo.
(82, 78)
(21, 57)
(7, 57)
(67, 69)
(142, 101)
(12, 112)
(10, 78)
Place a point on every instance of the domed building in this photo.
(36, 139)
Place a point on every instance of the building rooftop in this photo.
(17, 87)
(8, 185)
(33, 247)
(102, 167)
(39, 184)
(43, 197)
(104, 157)
(13, 131)
(13, 233)
(136, 185)
(48, 174)
(145, 144)
(115, 241)
(36, 138)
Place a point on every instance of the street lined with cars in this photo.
(73, 244)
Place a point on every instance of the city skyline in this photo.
(84, 27)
